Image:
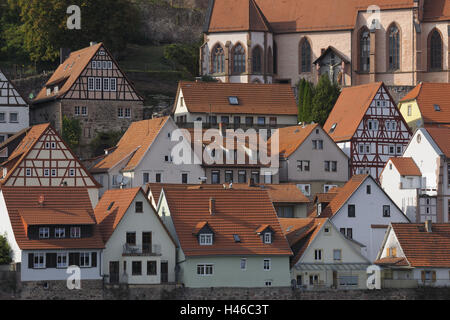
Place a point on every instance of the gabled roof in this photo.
(23, 207)
(242, 15)
(300, 232)
(392, 261)
(278, 193)
(441, 137)
(306, 15)
(422, 248)
(406, 166)
(345, 192)
(253, 98)
(68, 72)
(349, 110)
(133, 145)
(291, 138)
(335, 51)
(239, 212)
(427, 96)
(26, 145)
(9, 96)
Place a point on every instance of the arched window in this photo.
(364, 50)
(270, 61)
(435, 50)
(305, 56)
(394, 47)
(238, 59)
(218, 59)
(257, 60)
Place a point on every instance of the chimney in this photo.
(428, 224)
(92, 43)
(64, 53)
(212, 206)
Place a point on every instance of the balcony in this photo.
(141, 250)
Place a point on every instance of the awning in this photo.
(331, 266)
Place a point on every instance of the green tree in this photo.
(5, 251)
(184, 57)
(45, 25)
(308, 93)
(105, 140)
(71, 131)
(325, 95)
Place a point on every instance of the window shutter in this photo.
(74, 259)
(30, 260)
(394, 252)
(423, 276)
(94, 259)
(388, 252)
(434, 276)
(50, 260)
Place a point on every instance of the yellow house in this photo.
(427, 104)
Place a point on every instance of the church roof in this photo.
(306, 15)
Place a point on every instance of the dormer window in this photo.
(60, 232)
(233, 100)
(267, 238)
(75, 232)
(44, 233)
(437, 107)
(205, 239)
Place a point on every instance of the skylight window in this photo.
(233, 100)
(110, 205)
(437, 107)
(236, 238)
(333, 127)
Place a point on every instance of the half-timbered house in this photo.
(89, 86)
(367, 125)
(46, 208)
(14, 115)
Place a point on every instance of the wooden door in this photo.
(114, 272)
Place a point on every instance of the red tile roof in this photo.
(239, 212)
(306, 16)
(291, 138)
(406, 166)
(427, 96)
(133, 145)
(49, 216)
(24, 200)
(349, 110)
(69, 71)
(424, 249)
(392, 261)
(344, 193)
(264, 99)
(441, 137)
(300, 232)
(284, 192)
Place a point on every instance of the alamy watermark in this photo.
(74, 20)
(74, 280)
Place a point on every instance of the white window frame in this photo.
(105, 84)
(113, 84)
(77, 111)
(60, 233)
(267, 238)
(3, 117)
(110, 66)
(53, 172)
(46, 172)
(120, 112)
(98, 84)
(318, 254)
(303, 188)
(75, 232)
(28, 172)
(205, 239)
(84, 110)
(340, 254)
(127, 113)
(206, 269)
(328, 187)
(267, 264)
(41, 263)
(243, 264)
(91, 84)
(44, 232)
(83, 256)
(62, 260)
(71, 172)
(17, 117)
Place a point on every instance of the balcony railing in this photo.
(141, 250)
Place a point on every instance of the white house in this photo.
(143, 155)
(401, 179)
(430, 199)
(415, 254)
(362, 211)
(138, 247)
(14, 111)
(323, 256)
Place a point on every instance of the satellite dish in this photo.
(125, 181)
(119, 178)
(31, 96)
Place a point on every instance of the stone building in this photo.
(399, 42)
(90, 86)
